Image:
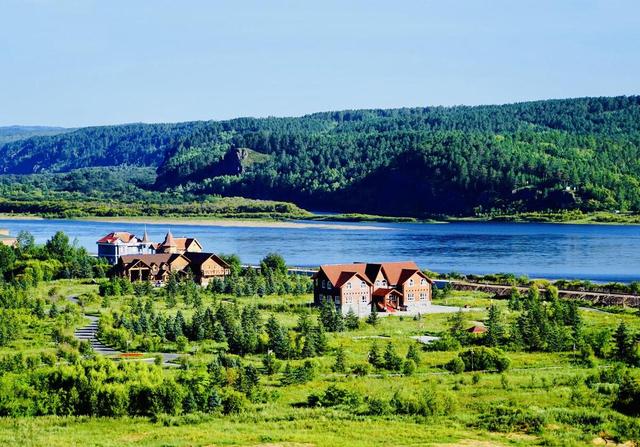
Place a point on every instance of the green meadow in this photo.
(543, 398)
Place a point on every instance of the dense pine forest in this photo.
(575, 154)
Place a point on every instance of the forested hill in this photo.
(15, 133)
(556, 154)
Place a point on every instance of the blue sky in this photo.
(85, 62)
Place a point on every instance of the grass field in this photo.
(549, 388)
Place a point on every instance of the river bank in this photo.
(214, 221)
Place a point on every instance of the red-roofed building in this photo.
(121, 243)
(389, 286)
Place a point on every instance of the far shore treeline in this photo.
(544, 160)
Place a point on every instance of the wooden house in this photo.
(156, 268)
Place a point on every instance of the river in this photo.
(594, 252)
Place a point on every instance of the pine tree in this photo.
(457, 328)
(373, 356)
(495, 326)
(574, 319)
(340, 365)
(624, 342)
(39, 309)
(278, 340)
(351, 321)
(320, 339)
(372, 319)
(53, 311)
(179, 325)
(270, 364)
(413, 354)
(515, 302)
(308, 347)
(392, 360)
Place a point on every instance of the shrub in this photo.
(298, 374)
(234, 402)
(361, 369)
(628, 399)
(378, 407)
(445, 343)
(426, 403)
(334, 396)
(455, 365)
(480, 359)
(408, 367)
(507, 419)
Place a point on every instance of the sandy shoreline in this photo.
(212, 222)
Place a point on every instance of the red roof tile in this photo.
(113, 237)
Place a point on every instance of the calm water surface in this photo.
(596, 252)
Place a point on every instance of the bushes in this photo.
(234, 402)
(481, 359)
(334, 396)
(298, 374)
(507, 419)
(455, 365)
(628, 398)
(425, 402)
(100, 387)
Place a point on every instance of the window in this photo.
(336, 299)
(409, 296)
(410, 282)
(423, 296)
(348, 300)
(329, 284)
(364, 299)
(324, 283)
(423, 281)
(321, 297)
(378, 283)
(348, 285)
(384, 282)
(363, 284)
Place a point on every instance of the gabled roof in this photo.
(149, 259)
(182, 243)
(114, 237)
(477, 329)
(385, 291)
(197, 258)
(393, 270)
(333, 271)
(346, 276)
(408, 273)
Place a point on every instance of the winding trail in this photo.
(90, 331)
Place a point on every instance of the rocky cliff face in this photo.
(232, 163)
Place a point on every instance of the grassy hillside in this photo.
(543, 156)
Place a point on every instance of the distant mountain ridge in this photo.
(15, 133)
(579, 153)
